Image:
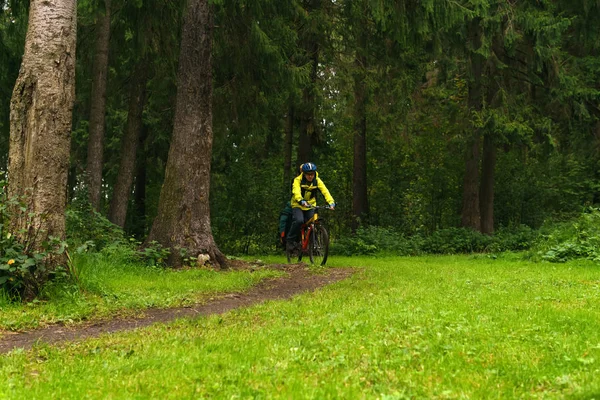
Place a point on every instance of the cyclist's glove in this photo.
(304, 203)
(332, 205)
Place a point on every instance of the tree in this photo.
(287, 152)
(470, 215)
(40, 119)
(311, 35)
(360, 203)
(183, 220)
(98, 106)
(129, 145)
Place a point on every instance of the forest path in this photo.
(299, 279)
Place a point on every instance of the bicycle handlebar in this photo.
(327, 207)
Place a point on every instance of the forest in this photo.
(147, 154)
(439, 126)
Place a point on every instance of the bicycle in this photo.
(314, 240)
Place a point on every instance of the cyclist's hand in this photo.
(332, 206)
(304, 203)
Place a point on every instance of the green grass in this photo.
(113, 284)
(427, 327)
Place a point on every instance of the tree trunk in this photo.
(183, 219)
(287, 153)
(139, 198)
(471, 217)
(488, 167)
(40, 121)
(122, 189)
(307, 131)
(360, 204)
(488, 161)
(306, 111)
(98, 107)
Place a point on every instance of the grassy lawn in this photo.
(116, 286)
(419, 327)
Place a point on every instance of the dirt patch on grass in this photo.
(299, 279)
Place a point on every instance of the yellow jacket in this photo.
(305, 190)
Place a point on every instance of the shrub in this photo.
(374, 239)
(456, 240)
(23, 261)
(568, 240)
(154, 254)
(86, 227)
(250, 244)
(513, 239)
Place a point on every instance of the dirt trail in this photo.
(298, 280)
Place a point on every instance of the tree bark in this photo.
(139, 198)
(183, 220)
(306, 110)
(308, 130)
(470, 215)
(360, 199)
(122, 189)
(488, 161)
(287, 152)
(40, 121)
(98, 107)
(488, 166)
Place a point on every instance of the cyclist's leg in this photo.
(297, 221)
(308, 214)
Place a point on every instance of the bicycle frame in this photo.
(306, 229)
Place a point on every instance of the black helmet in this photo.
(309, 167)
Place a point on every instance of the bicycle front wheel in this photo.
(318, 246)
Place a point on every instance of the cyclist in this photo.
(304, 190)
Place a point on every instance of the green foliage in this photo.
(372, 240)
(377, 240)
(513, 239)
(253, 244)
(541, 60)
(572, 239)
(24, 262)
(23, 269)
(87, 228)
(456, 240)
(154, 254)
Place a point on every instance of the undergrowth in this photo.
(115, 282)
(443, 327)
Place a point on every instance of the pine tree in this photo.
(183, 220)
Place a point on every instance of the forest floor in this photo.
(299, 279)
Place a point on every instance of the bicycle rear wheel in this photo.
(318, 246)
(292, 254)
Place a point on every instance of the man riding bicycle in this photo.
(304, 198)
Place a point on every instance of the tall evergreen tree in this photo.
(470, 214)
(98, 105)
(129, 144)
(183, 220)
(360, 202)
(311, 42)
